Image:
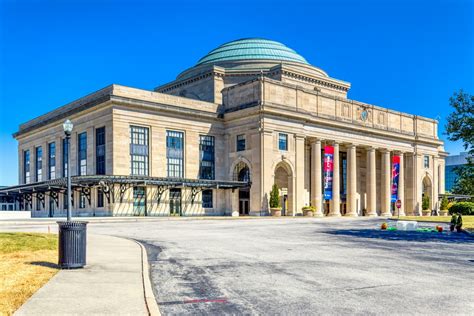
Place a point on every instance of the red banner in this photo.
(328, 169)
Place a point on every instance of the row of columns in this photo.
(351, 210)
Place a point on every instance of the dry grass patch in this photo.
(27, 262)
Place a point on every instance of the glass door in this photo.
(139, 201)
(175, 202)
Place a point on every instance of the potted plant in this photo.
(308, 211)
(444, 206)
(275, 206)
(425, 205)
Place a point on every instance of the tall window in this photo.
(65, 156)
(52, 160)
(282, 141)
(206, 163)
(240, 142)
(100, 150)
(207, 198)
(39, 163)
(426, 161)
(174, 153)
(26, 166)
(82, 154)
(139, 150)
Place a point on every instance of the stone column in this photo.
(435, 184)
(401, 187)
(316, 181)
(386, 175)
(371, 183)
(352, 181)
(441, 171)
(336, 200)
(298, 188)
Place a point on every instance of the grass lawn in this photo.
(27, 262)
(468, 221)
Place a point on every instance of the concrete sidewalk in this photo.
(111, 283)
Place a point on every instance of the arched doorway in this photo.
(242, 173)
(284, 181)
(427, 190)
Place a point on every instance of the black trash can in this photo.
(72, 244)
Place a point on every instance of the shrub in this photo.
(309, 208)
(444, 203)
(464, 208)
(274, 197)
(425, 204)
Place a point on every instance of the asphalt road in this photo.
(303, 266)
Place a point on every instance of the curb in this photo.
(150, 300)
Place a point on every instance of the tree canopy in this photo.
(460, 126)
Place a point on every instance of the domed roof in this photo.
(252, 49)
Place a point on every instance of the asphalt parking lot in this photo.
(294, 266)
(303, 266)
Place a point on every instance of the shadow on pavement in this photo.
(404, 235)
(44, 264)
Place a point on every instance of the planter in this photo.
(308, 212)
(426, 212)
(443, 213)
(275, 211)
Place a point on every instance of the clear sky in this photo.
(405, 55)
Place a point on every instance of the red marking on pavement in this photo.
(204, 300)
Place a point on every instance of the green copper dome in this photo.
(252, 49)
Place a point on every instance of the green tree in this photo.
(459, 127)
(444, 203)
(274, 197)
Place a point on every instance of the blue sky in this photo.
(405, 55)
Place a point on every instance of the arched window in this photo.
(241, 172)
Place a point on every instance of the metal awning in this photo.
(107, 180)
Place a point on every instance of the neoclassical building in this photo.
(249, 114)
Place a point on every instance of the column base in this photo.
(351, 215)
(371, 215)
(318, 215)
(402, 213)
(334, 215)
(386, 214)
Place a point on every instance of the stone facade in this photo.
(255, 100)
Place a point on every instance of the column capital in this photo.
(314, 141)
(300, 136)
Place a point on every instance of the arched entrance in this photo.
(284, 181)
(427, 190)
(242, 173)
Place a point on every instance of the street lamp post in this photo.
(72, 234)
(68, 126)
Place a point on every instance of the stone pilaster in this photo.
(336, 199)
(386, 175)
(351, 181)
(371, 183)
(316, 180)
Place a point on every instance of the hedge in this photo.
(465, 208)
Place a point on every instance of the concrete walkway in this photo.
(111, 283)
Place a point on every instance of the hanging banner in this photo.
(328, 171)
(395, 176)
